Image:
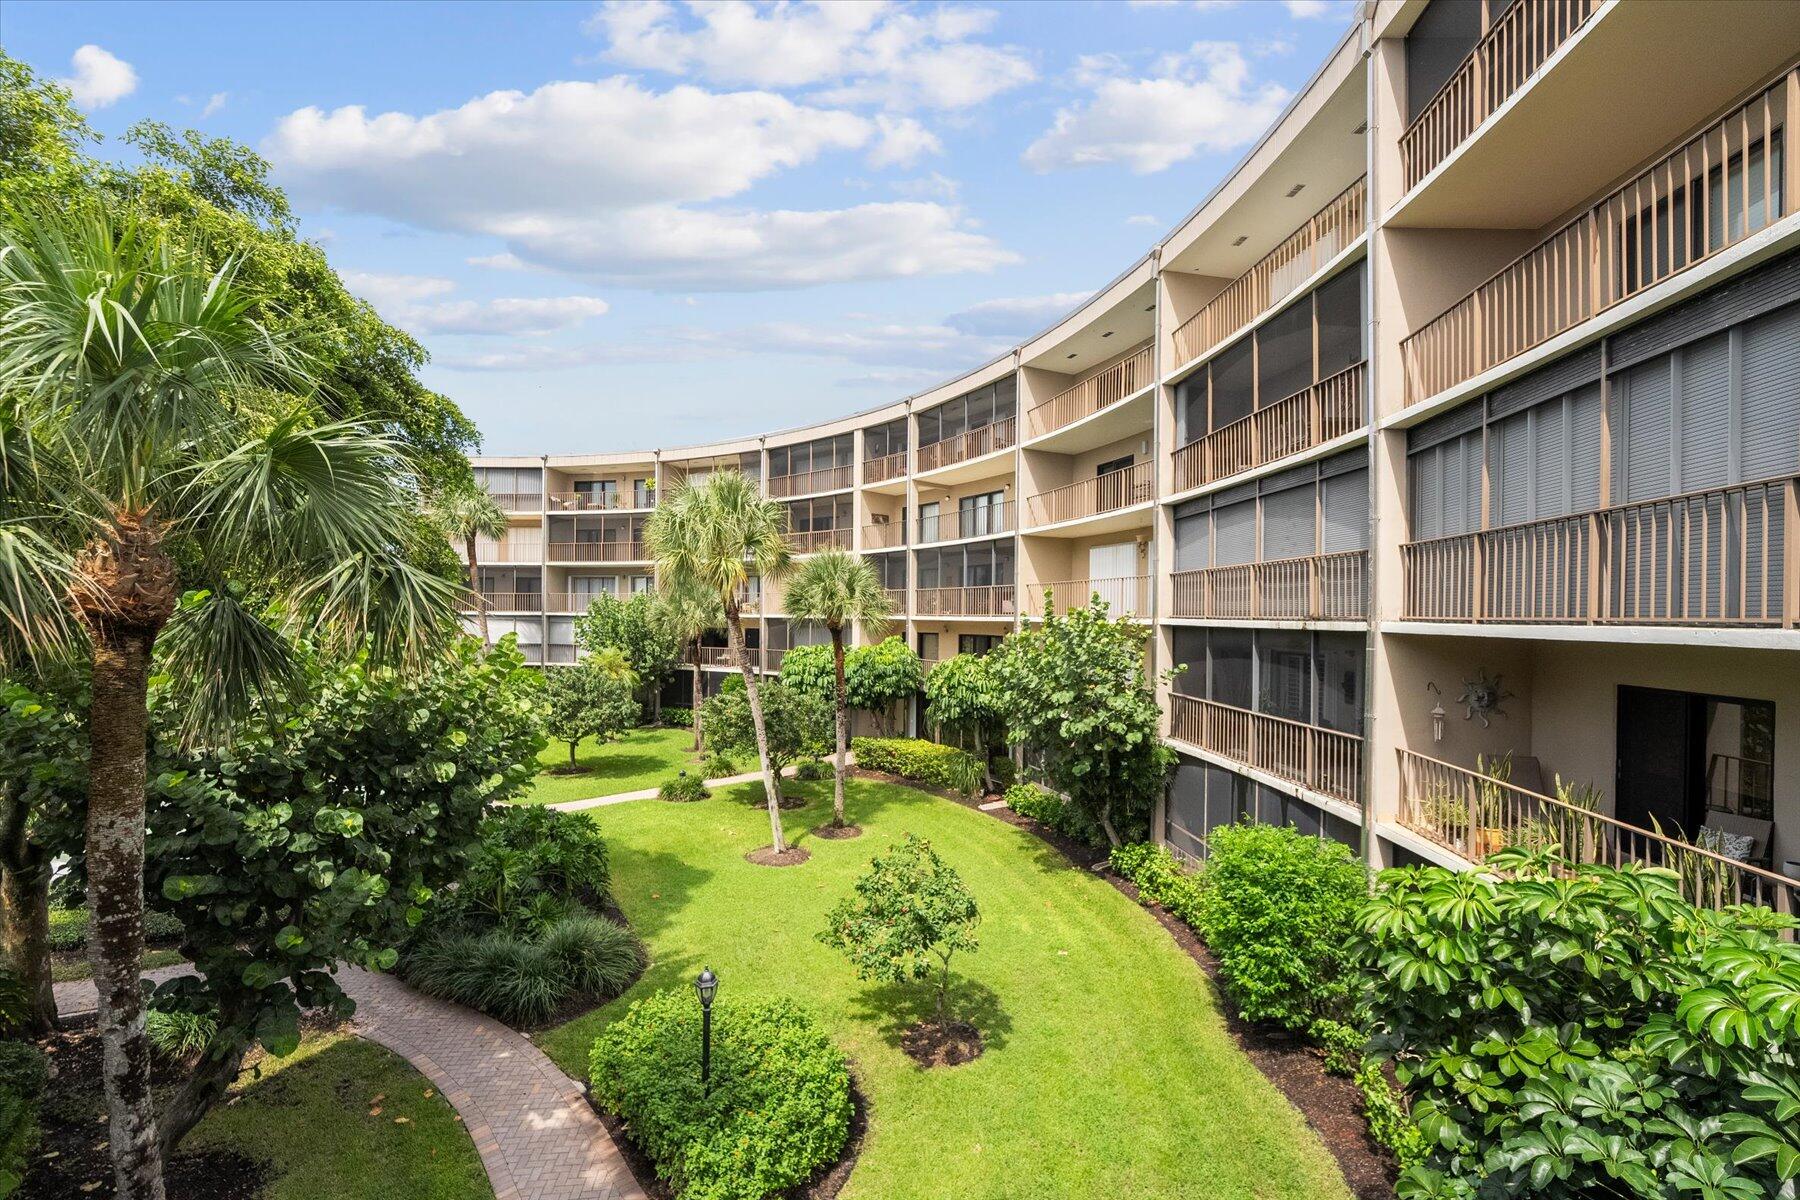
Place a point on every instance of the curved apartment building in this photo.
(1459, 424)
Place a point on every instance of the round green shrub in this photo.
(69, 928)
(718, 766)
(179, 1034)
(812, 771)
(779, 1108)
(684, 787)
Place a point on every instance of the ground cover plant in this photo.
(778, 1107)
(684, 787)
(1090, 1013)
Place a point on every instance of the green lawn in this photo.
(65, 968)
(643, 758)
(1108, 1072)
(309, 1116)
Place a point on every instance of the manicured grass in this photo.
(642, 758)
(1108, 1070)
(77, 965)
(311, 1118)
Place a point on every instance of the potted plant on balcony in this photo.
(1492, 831)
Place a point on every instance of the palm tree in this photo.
(712, 537)
(689, 613)
(838, 589)
(466, 512)
(167, 487)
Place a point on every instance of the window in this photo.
(976, 643)
(981, 515)
(583, 588)
(1285, 354)
(641, 492)
(1233, 384)
(1113, 464)
(928, 646)
(641, 584)
(1340, 314)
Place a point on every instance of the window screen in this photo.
(1438, 42)
(1233, 385)
(1284, 355)
(1340, 303)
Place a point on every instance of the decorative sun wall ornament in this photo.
(1482, 698)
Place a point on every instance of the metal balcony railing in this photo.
(1321, 760)
(984, 439)
(884, 535)
(813, 540)
(620, 551)
(995, 601)
(600, 501)
(1326, 410)
(1319, 587)
(1109, 386)
(957, 523)
(803, 483)
(888, 466)
(1091, 497)
(519, 502)
(1124, 596)
(504, 602)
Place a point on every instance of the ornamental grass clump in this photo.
(778, 1109)
(684, 788)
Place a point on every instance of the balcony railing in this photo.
(803, 483)
(1125, 595)
(1506, 56)
(508, 550)
(519, 502)
(1474, 815)
(1723, 557)
(1324, 236)
(597, 552)
(1326, 410)
(1321, 760)
(814, 540)
(503, 602)
(996, 601)
(1091, 497)
(578, 602)
(559, 652)
(984, 439)
(966, 523)
(1124, 378)
(897, 598)
(1682, 210)
(1321, 587)
(722, 656)
(884, 535)
(600, 501)
(888, 466)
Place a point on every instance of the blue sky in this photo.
(651, 224)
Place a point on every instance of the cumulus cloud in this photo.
(418, 303)
(99, 78)
(902, 141)
(862, 51)
(1014, 318)
(504, 261)
(1203, 99)
(605, 179)
(1141, 219)
(934, 185)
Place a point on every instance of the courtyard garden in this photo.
(645, 757)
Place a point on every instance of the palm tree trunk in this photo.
(475, 590)
(25, 918)
(842, 698)
(115, 866)
(699, 733)
(734, 628)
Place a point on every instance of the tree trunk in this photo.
(841, 697)
(699, 733)
(1112, 835)
(219, 1064)
(25, 919)
(572, 746)
(943, 996)
(734, 629)
(475, 590)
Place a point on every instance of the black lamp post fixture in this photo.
(706, 985)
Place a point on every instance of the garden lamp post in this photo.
(706, 985)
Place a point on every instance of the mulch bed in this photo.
(949, 1045)
(837, 833)
(71, 1161)
(566, 769)
(768, 856)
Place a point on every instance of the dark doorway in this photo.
(1657, 782)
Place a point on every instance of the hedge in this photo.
(1160, 879)
(1049, 809)
(915, 758)
(69, 929)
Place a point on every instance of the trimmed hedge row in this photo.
(69, 929)
(915, 758)
(1049, 809)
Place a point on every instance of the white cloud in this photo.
(504, 261)
(416, 302)
(100, 78)
(603, 178)
(932, 186)
(1015, 318)
(1141, 219)
(866, 51)
(901, 143)
(1201, 100)
(1313, 10)
(214, 103)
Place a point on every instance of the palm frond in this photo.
(837, 589)
(222, 659)
(401, 612)
(36, 580)
(713, 536)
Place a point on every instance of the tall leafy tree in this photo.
(592, 697)
(156, 435)
(689, 614)
(839, 589)
(465, 512)
(882, 676)
(637, 627)
(962, 694)
(714, 537)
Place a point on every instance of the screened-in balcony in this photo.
(999, 600)
(1091, 497)
(622, 550)
(803, 483)
(982, 520)
(884, 468)
(813, 540)
(1328, 409)
(518, 502)
(984, 439)
(1726, 184)
(1319, 587)
(602, 499)
(1320, 760)
(1124, 378)
(1124, 596)
(884, 535)
(502, 601)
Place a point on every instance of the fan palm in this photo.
(689, 614)
(838, 589)
(154, 441)
(465, 512)
(712, 537)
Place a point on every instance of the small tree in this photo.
(808, 669)
(882, 675)
(796, 724)
(910, 914)
(594, 697)
(1074, 690)
(962, 694)
(640, 628)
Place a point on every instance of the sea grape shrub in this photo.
(779, 1106)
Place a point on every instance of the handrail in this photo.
(1110, 385)
(518, 502)
(1323, 760)
(997, 600)
(1316, 587)
(1311, 417)
(973, 443)
(813, 540)
(1091, 497)
(986, 521)
(1475, 815)
(888, 466)
(510, 550)
(502, 601)
(884, 535)
(820, 479)
(617, 551)
(598, 501)
(1124, 595)
(1666, 220)
(1326, 234)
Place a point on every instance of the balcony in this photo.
(586, 552)
(805, 483)
(994, 601)
(897, 598)
(985, 521)
(814, 540)
(518, 502)
(599, 501)
(1724, 557)
(1328, 409)
(1508, 55)
(888, 466)
(1124, 596)
(509, 550)
(984, 439)
(1322, 587)
(884, 535)
(722, 656)
(1124, 378)
(1092, 497)
(1473, 815)
(559, 652)
(502, 602)
(1279, 275)
(1679, 212)
(1318, 759)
